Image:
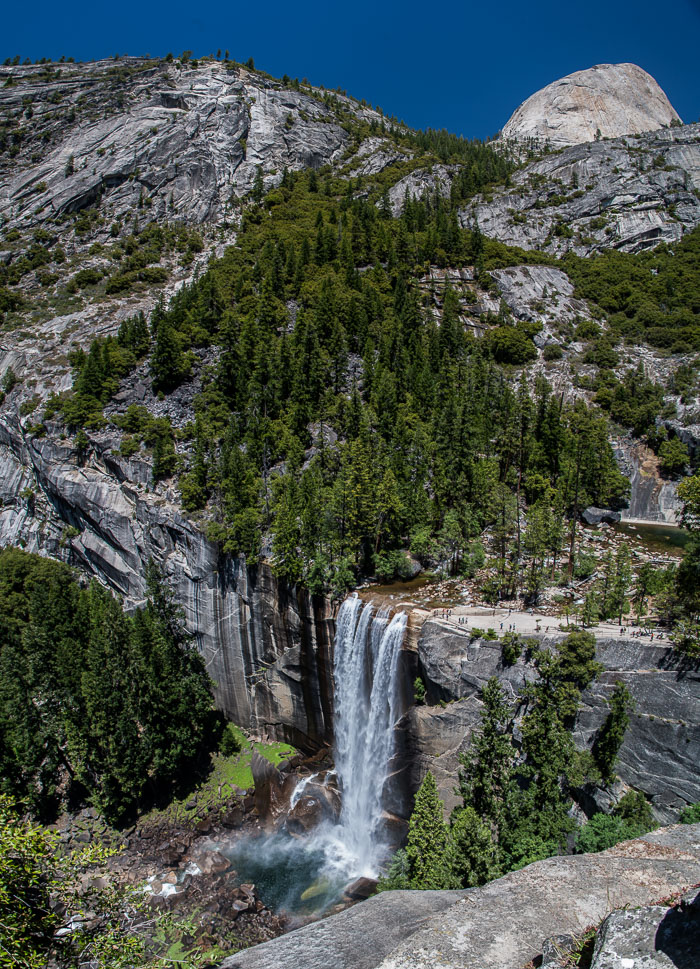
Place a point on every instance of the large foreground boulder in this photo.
(500, 926)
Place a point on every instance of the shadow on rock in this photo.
(678, 935)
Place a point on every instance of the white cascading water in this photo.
(308, 874)
(367, 707)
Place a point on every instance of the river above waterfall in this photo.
(655, 538)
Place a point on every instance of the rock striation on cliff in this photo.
(187, 138)
(605, 101)
(267, 646)
(629, 194)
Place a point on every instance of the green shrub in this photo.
(552, 352)
(86, 277)
(512, 645)
(508, 344)
(419, 691)
(690, 814)
(603, 831)
(230, 741)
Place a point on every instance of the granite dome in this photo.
(613, 99)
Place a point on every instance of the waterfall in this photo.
(367, 707)
(308, 874)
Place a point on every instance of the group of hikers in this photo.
(511, 627)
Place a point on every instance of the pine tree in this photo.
(475, 853)
(428, 848)
(486, 772)
(167, 363)
(612, 733)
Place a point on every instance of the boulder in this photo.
(210, 862)
(595, 516)
(273, 790)
(361, 888)
(657, 937)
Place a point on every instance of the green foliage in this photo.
(419, 691)
(398, 874)
(673, 457)
(552, 352)
(690, 814)
(509, 344)
(342, 474)
(26, 917)
(97, 373)
(476, 856)
(41, 893)
(230, 741)
(685, 637)
(602, 832)
(428, 845)
(90, 697)
(652, 296)
(631, 818)
(512, 645)
(612, 733)
(155, 432)
(634, 808)
(487, 768)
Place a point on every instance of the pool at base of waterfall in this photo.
(303, 877)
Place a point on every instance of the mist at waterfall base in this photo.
(306, 875)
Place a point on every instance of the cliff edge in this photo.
(502, 925)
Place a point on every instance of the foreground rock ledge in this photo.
(500, 926)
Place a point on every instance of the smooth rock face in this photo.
(628, 194)
(652, 497)
(267, 646)
(605, 101)
(661, 749)
(541, 294)
(187, 139)
(502, 925)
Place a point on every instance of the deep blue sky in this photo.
(462, 65)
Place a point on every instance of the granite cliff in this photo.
(86, 150)
(661, 748)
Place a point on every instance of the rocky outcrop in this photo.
(544, 295)
(594, 516)
(628, 194)
(606, 101)
(431, 181)
(657, 937)
(653, 498)
(661, 749)
(502, 925)
(186, 139)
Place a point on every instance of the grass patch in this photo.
(227, 778)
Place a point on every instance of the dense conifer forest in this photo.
(342, 423)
